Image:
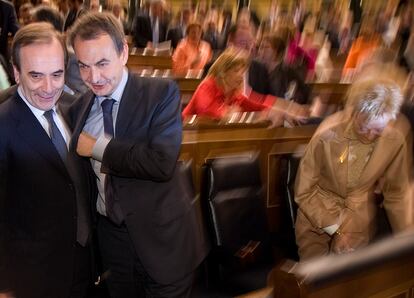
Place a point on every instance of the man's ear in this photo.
(16, 74)
(125, 53)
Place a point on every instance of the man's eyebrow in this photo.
(80, 62)
(35, 72)
(100, 61)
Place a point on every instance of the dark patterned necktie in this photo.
(112, 207)
(56, 136)
(108, 122)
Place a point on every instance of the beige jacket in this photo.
(321, 185)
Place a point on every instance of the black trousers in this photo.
(82, 277)
(124, 273)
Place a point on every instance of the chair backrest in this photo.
(292, 164)
(234, 197)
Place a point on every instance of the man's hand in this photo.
(85, 145)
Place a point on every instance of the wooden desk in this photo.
(201, 144)
(187, 86)
(139, 62)
(331, 93)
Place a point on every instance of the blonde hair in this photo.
(229, 59)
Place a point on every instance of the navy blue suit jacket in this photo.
(39, 196)
(141, 160)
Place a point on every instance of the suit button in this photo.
(71, 186)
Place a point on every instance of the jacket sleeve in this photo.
(320, 206)
(397, 189)
(205, 101)
(155, 158)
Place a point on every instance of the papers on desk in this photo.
(161, 49)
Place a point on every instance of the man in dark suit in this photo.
(8, 23)
(76, 9)
(131, 128)
(45, 190)
(257, 76)
(178, 32)
(150, 29)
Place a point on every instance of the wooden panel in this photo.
(270, 144)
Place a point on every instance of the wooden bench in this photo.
(381, 270)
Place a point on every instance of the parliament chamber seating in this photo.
(160, 64)
(233, 202)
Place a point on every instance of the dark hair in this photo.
(35, 33)
(193, 25)
(93, 24)
(278, 45)
(50, 15)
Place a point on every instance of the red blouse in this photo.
(209, 100)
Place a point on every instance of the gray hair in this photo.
(375, 98)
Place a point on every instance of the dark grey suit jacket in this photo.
(142, 30)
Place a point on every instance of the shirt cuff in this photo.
(100, 146)
(331, 229)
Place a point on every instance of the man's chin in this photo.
(99, 90)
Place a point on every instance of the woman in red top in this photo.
(221, 93)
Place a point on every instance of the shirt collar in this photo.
(119, 90)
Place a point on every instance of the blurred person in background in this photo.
(119, 12)
(365, 147)
(150, 28)
(178, 30)
(362, 47)
(256, 77)
(8, 24)
(221, 94)
(25, 14)
(75, 11)
(283, 80)
(192, 52)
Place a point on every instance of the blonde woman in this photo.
(222, 92)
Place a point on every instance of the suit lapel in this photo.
(129, 106)
(84, 113)
(30, 130)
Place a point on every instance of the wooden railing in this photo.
(382, 270)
